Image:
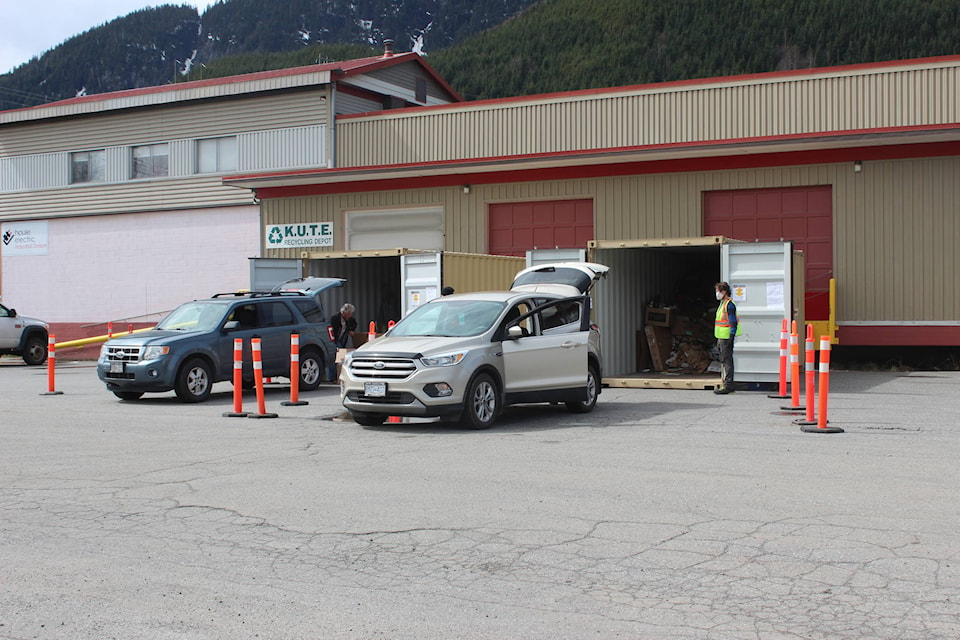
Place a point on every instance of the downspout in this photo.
(332, 128)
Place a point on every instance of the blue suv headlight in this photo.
(152, 353)
(444, 360)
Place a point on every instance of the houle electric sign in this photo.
(24, 238)
(295, 236)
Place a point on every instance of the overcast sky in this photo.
(30, 27)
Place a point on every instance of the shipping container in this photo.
(657, 307)
(386, 284)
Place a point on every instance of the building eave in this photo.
(774, 151)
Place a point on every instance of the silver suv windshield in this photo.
(193, 316)
(450, 318)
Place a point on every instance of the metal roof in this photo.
(317, 74)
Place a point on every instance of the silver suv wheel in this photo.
(482, 402)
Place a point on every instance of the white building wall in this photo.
(114, 268)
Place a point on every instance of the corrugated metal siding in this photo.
(908, 208)
(139, 195)
(34, 172)
(149, 98)
(283, 148)
(191, 120)
(346, 103)
(467, 272)
(845, 101)
(405, 76)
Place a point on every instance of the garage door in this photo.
(516, 227)
(801, 214)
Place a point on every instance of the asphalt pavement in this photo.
(664, 514)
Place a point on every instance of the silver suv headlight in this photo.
(444, 359)
(103, 352)
(152, 353)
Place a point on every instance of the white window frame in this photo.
(224, 158)
(95, 162)
(150, 158)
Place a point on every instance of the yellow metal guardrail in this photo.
(84, 342)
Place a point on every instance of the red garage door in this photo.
(801, 214)
(517, 227)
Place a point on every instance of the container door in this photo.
(760, 278)
(420, 278)
(266, 273)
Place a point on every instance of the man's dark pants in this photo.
(726, 362)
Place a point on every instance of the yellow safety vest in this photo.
(721, 327)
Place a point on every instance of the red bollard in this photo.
(109, 330)
(822, 426)
(238, 411)
(258, 380)
(372, 333)
(129, 328)
(51, 367)
(794, 371)
(784, 332)
(295, 400)
(390, 325)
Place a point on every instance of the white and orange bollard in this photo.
(809, 383)
(52, 367)
(794, 371)
(295, 400)
(822, 426)
(258, 381)
(238, 411)
(372, 333)
(784, 334)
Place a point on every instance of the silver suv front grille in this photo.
(123, 354)
(389, 368)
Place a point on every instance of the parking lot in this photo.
(662, 514)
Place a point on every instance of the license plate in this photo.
(116, 367)
(375, 389)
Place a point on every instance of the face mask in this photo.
(719, 295)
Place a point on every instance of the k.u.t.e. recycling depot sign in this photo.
(301, 234)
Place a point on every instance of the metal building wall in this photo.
(168, 122)
(670, 113)
(896, 223)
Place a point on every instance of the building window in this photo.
(151, 161)
(87, 166)
(215, 155)
(421, 90)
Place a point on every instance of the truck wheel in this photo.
(593, 390)
(128, 395)
(194, 381)
(368, 419)
(482, 402)
(35, 351)
(311, 370)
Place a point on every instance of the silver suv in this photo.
(464, 357)
(192, 348)
(23, 336)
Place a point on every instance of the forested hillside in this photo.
(576, 44)
(491, 48)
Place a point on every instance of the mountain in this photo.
(491, 48)
(164, 44)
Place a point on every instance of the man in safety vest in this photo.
(725, 329)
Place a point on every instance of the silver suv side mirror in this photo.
(514, 332)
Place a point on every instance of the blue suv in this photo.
(192, 348)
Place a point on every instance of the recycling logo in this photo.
(276, 236)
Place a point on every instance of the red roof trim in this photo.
(682, 165)
(688, 83)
